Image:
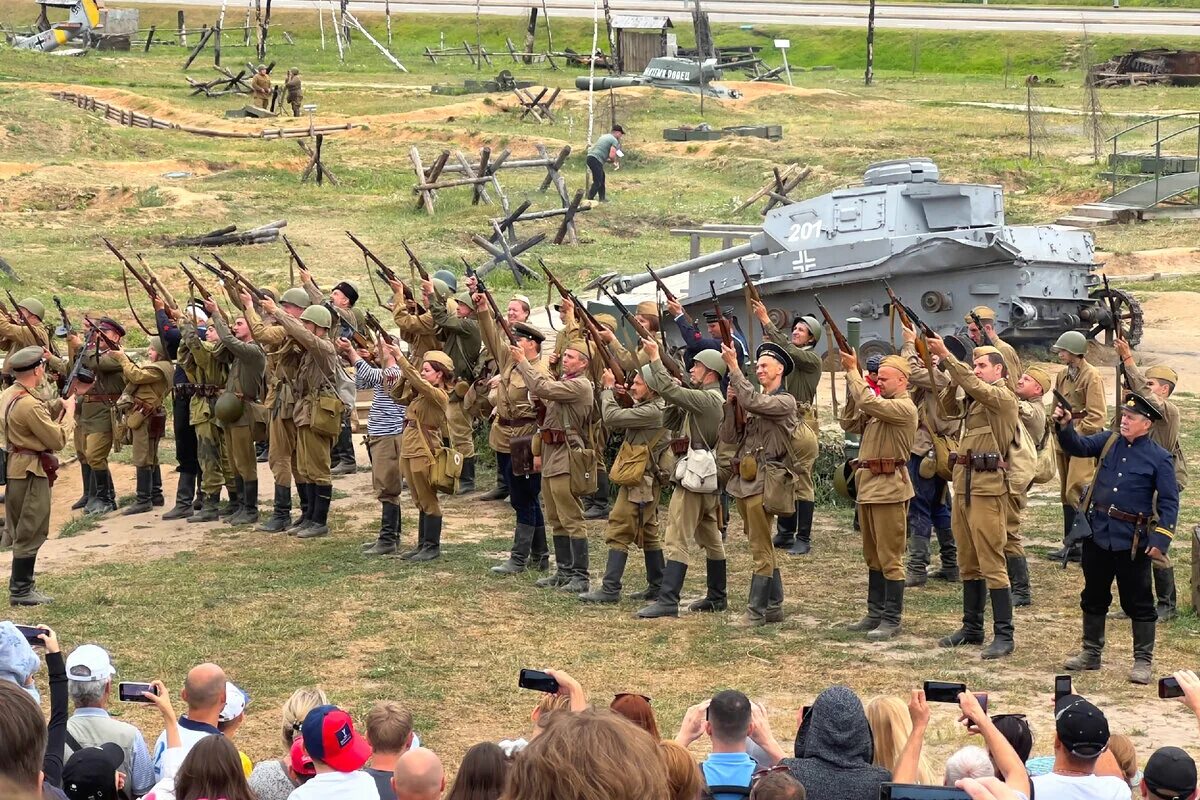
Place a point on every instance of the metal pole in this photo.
(787, 69)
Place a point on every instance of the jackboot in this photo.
(86, 495)
(1018, 576)
(598, 504)
(1002, 625)
(610, 587)
(667, 602)
(1076, 551)
(715, 598)
(156, 493)
(947, 555)
(803, 543)
(1164, 593)
(580, 577)
(185, 492)
(974, 603)
(389, 532)
(539, 554)
(141, 503)
(305, 491)
(235, 499)
(432, 549)
(916, 570)
(501, 490)
(342, 453)
(420, 545)
(102, 500)
(562, 565)
(1143, 652)
(248, 514)
(518, 557)
(654, 573)
(775, 600)
(209, 512)
(22, 587)
(1093, 645)
(785, 529)
(875, 594)
(756, 606)
(466, 481)
(262, 451)
(281, 511)
(320, 497)
(893, 609)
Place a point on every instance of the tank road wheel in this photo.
(1129, 312)
(874, 347)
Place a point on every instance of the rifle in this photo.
(726, 329)
(592, 327)
(295, 256)
(670, 363)
(65, 330)
(240, 279)
(20, 320)
(163, 292)
(754, 295)
(375, 325)
(667, 293)
(1114, 312)
(415, 262)
(203, 291)
(79, 373)
(987, 337)
(133, 270)
(834, 330)
(501, 318)
(24, 322)
(922, 344)
(362, 343)
(9, 316)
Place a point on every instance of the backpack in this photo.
(1047, 463)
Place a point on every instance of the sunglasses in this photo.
(758, 773)
(619, 695)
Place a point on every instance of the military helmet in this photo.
(1071, 341)
(447, 277)
(712, 360)
(318, 315)
(156, 344)
(229, 407)
(441, 288)
(295, 297)
(33, 306)
(814, 327)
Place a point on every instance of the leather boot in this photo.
(248, 514)
(82, 502)
(320, 497)
(110, 492)
(974, 603)
(156, 493)
(420, 545)
(775, 600)
(1068, 521)
(281, 511)
(893, 609)
(235, 500)
(610, 587)
(518, 558)
(667, 603)
(562, 565)
(1143, 652)
(716, 598)
(539, 554)
(185, 492)
(389, 532)
(304, 490)
(432, 549)
(342, 453)
(756, 606)
(597, 506)
(654, 573)
(100, 502)
(1018, 576)
(209, 512)
(198, 503)
(22, 588)
(916, 570)
(501, 490)
(262, 451)
(785, 530)
(581, 579)
(947, 555)
(803, 543)
(875, 595)
(466, 481)
(1093, 645)
(1164, 593)
(141, 503)
(1002, 625)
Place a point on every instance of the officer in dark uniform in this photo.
(1133, 485)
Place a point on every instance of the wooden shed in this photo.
(640, 37)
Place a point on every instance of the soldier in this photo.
(98, 416)
(294, 91)
(563, 428)
(341, 301)
(770, 419)
(517, 310)
(145, 417)
(692, 514)
(207, 374)
(461, 341)
(988, 336)
(694, 341)
(1083, 387)
(260, 85)
(1031, 410)
(887, 423)
(33, 436)
(186, 453)
(980, 496)
(634, 516)
(1131, 506)
(27, 331)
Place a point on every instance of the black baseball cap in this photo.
(618, 129)
(91, 773)
(1170, 774)
(1081, 727)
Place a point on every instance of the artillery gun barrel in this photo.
(757, 246)
(583, 82)
(746, 62)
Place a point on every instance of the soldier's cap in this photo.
(898, 363)
(712, 360)
(608, 321)
(1040, 375)
(711, 317)
(349, 289)
(439, 358)
(1170, 774)
(156, 344)
(261, 67)
(295, 297)
(985, 350)
(1136, 404)
(580, 347)
(527, 331)
(873, 363)
(110, 324)
(810, 322)
(1081, 727)
(26, 358)
(647, 308)
(1163, 373)
(984, 313)
(33, 306)
(520, 298)
(776, 352)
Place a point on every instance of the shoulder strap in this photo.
(8, 410)
(1108, 445)
(73, 743)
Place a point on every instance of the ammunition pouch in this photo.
(880, 466)
(980, 462)
(157, 423)
(553, 436)
(521, 456)
(779, 489)
(681, 446)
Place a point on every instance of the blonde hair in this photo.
(891, 726)
(545, 708)
(296, 708)
(683, 774)
(389, 727)
(1121, 746)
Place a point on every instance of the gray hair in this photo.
(969, 762)
(86, 694)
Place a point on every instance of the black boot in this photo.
(974, 603)
(389, 532)
(466, 481)
(875, 595)
(1002, 625)
(432, 548)
(716, 598)
(320, 496)
(654, 572)
(539, 554)
(420, 545)
(87, 484)
(518, 558)
(562, 565)
(501, 490)
(803, 542)
(156, 493)
(262, 452)
(597, 507)
(185, 492)
(1143, 652)
(1164, 593)
(785, 529)
(1018, 576)
(110, 492)
(916, 570)
(248, 514)
(1068, 521)
(305, 491)
(342, 453)
(893, 609)
(610, 588)
(209, 512)
(756, 606)
(581, 579)
(141, 503)
(281, 511)
(947, 555)
(1093, 645)
(101, 501)
(775, 600)
(235, 500)
(667, 603)
(22, 588)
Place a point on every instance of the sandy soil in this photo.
(1148, 262)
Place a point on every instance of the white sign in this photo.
(783, 44)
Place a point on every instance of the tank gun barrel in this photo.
(745, 62)
(757, 246)
(583, 81)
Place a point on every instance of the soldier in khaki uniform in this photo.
(207, 373)
(981, 496)
(770, 420)
(32, 436)
(564, 427)
(988, 336)
(696, 412)
(294, 90)
(461, 341)
(98, 416)
(28, 331)
(1031, 410)
(1083, 387)
(261, 86)
(246, 384)
(887, 423)
(145, 416)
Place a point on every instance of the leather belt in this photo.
(1078, 414)
(519, 421)
(25, 451)
(1123, 516)
(879, 466)
(101, 398)
(979, 461)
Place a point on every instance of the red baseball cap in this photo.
(302, 763)
(329, 737)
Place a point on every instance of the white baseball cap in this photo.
(90, 662)
(236, 700)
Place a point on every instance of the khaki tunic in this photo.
(203, 365)
(461, 341)
(634, 515)
(424, 419)
(19, 336)
(568, 407)
(933, 395)
(1084, 390)
(516, 414)
(1011, 360)
(1164, 432)
(260, 84)
(148, 385)
(283, 364)
(27, 424)
(314, 379)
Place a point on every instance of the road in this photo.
(1165, 22)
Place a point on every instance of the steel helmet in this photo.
(33, 306)
(814, 327)
(711, 359)
(318, 315)
(229, 407)
(447, 277)
(1071, 341)
(295, 297)
(441, 289)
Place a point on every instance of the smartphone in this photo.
(982, 698)
(908, 791)
(31, 634)
(130, 692)
(805, 711)
(1062, 687)
(1168, 688)
(943, 691)
(538, 681)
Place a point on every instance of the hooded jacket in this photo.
(834, 750)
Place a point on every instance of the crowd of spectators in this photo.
(575, 749)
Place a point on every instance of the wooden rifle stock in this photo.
(643, 332)
(132, 269)
(292, 251)
(163, 292)
(384, 271)
(834, 330)
(727, 340)
(501, 318)
(375, 325)
(415, 262)
(239, 279)
(921, 344)
(754, 295)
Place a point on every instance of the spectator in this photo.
(728, 719)
(1170, 775)
(18, 664)
(481, 774)
(232, 715)
(22, 741)
(636, 709)
(338, 753)
(1190, 684)
(968, 762)
(300, 765)
(1016, 731)
(891, 725)
(94, 773)
(1080, 736)
(570, 695)
(204, 694)
(836, 761)
(418, 776)
(683, 776)
(769, 785)
(89, 684)
(1121, 748)
(212, 769)
(173, 753)
(390, 734)
(271, 780)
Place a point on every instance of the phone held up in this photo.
(31, 634)
(1168, 688)
(948, 692)
(906, 791)
(1062, 687)
(131, 692)
(538, 681)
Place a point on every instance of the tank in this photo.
(944, 248)
(668, 72)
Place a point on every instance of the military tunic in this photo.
(933, 395)
(424, 420)
(461, 341)
(295, 93)
(1165, 432)
(1084, 389)
(417, 330)
(29, 429)
(145, 388)
(260, 85)
(314, 381)
(283, 357)
(247, 375)
(207, 373)
(18, 336)
(99, 414)
(1032, 414)
(634, 515)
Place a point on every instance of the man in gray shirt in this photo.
(607, 148)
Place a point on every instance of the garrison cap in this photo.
(26, 358)
(710, 316)
(439, 358)
(295, 297)
(776, 352)
(608, 321)
(526, 331)
(712, 360)
(349, 289)
(985, 350)
(33, 306)
(520, 298)
(1163, 373)
(1136, 404)
(110, 324)
(647, 308)
(580, 347)
(811, 323)
(897, 363)
(984, 313)
(1040, 375)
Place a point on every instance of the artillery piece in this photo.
(680, 74)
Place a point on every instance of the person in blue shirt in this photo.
(1132, 508)
(730, 720)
